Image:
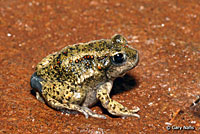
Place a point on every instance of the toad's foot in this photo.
(113, 106)
(88, 112)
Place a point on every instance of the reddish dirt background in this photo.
(166, 34)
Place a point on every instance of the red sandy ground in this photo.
(166, 34)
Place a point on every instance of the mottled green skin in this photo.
(79, 75)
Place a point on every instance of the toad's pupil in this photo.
(118, 58)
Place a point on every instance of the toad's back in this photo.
(77, 64)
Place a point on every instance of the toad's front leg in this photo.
(113, 106)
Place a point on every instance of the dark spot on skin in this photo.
(110, 105)
(77, 46)
(58, 57)
(73, 90)
(71, 48)
(67, 103)
(68, 98)
(83, 49)
(54, 97)
(62, 83)
(122, 109)
(104, 93)
(60, 100)
(114, 106)
(96, 49)
(91, 44)
(57, 92)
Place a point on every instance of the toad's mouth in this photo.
(132, 65)
(125, 71)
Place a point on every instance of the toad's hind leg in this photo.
(113, 106)
(85, 110)
(57, 96)
(37, 86)
(53, 93)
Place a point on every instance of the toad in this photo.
(80, 75)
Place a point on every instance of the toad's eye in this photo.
(119, 58)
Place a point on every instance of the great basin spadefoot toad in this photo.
(79, 75)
